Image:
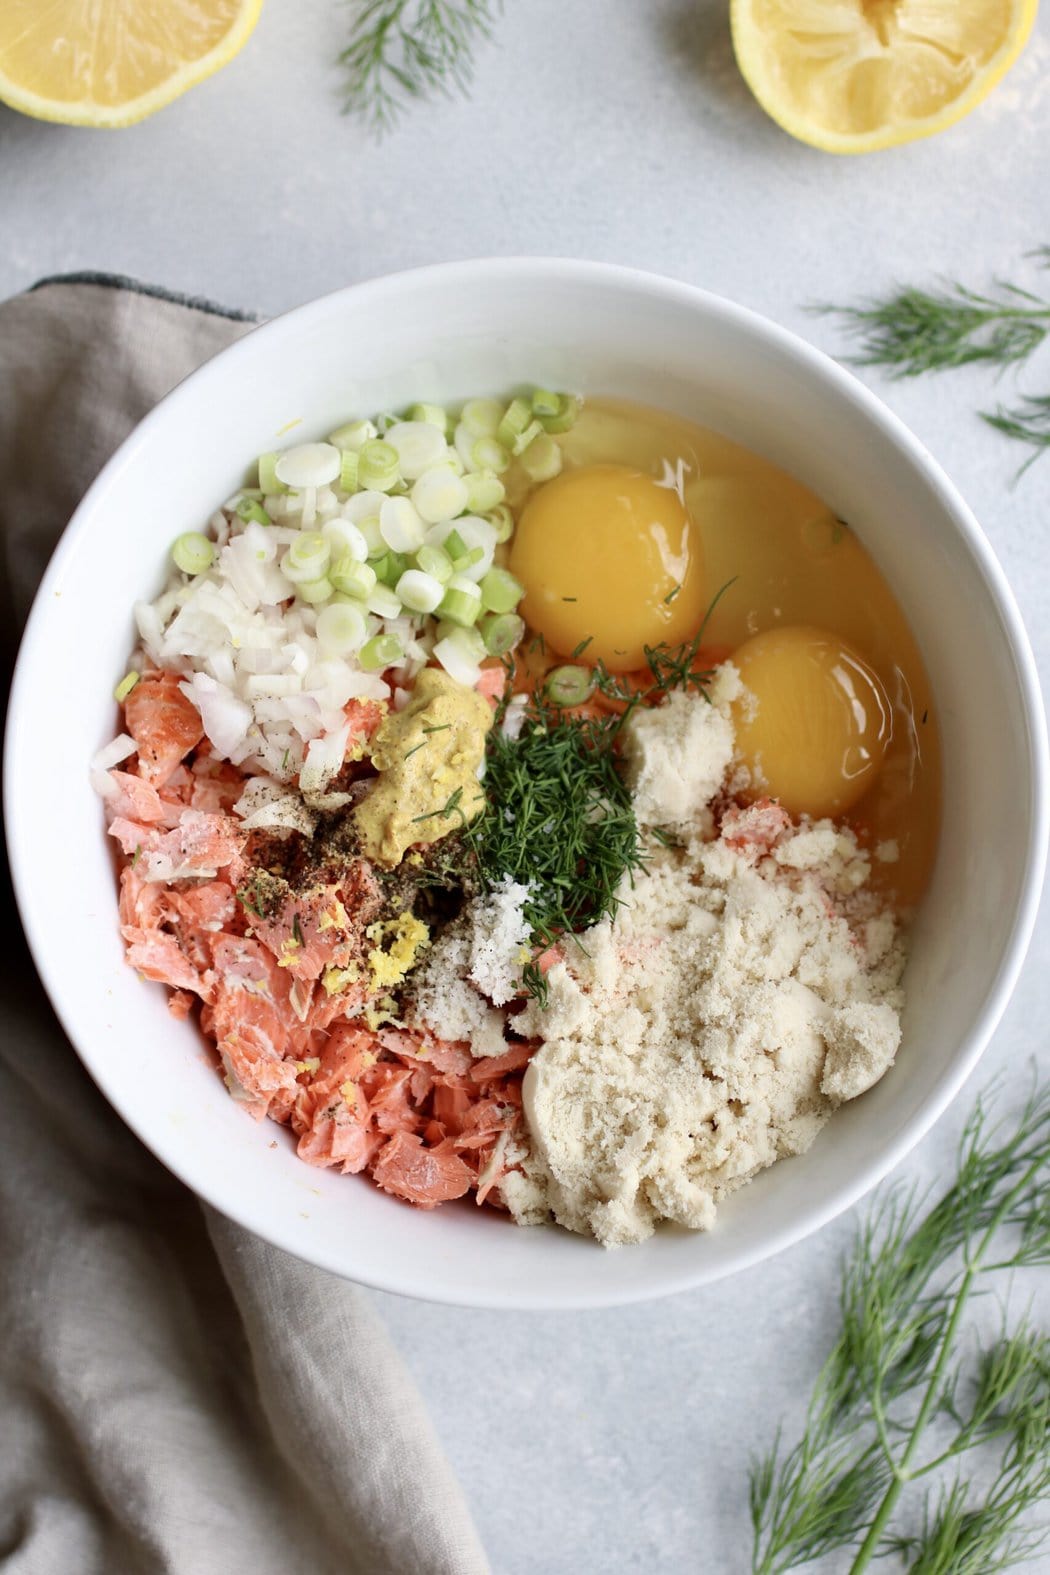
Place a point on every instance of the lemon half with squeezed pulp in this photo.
(852, 76)
(112, 62)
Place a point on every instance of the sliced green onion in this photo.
(569, 409)
(489, 454)
(502, 632)
(353, 578)
(481, 417)
(500, 591)
(369, 528)
(461, 602)
(390, 567)
(341, 627)
(384, 602)
(193, 553)
(523, 439)
(469, 559)
(545, 403)
(126, 685)
(569, 686)
(345, 538)
(307, 558)
(376, 466)
(314, 590)
(439, 494)
(541, 461)
(434, 561)
(515, 420)
(400, 525)
(433, 415)
(454, 544)
(348, 469)
(382, 650)
(484, 491)
(502, 520)
(420, 592)
(352, 435)
(308, 465)
(418, 445)
(252, 509)
(268, 479)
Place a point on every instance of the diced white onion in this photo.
(457, 664)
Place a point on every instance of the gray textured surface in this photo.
(614, 130)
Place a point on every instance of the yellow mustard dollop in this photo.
(427, 757)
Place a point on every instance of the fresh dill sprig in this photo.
(915, 331)
(1026, 422)
(403, 50)
(902, 1364)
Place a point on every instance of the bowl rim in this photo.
(813, 363)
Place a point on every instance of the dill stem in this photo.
(901, 1471)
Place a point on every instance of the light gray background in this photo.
(619, 130)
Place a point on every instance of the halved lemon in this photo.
(112, 62)
(851, 76)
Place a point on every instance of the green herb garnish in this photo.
(450, 807)
(671, 667)
(559, 816)
(536, 986)
(912, 332)
(907, 1392)
(917, 331)
(1028, 422)
(404, 50)
(297, 933)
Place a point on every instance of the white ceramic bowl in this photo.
(439, 334)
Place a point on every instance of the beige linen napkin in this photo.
(176, 1395)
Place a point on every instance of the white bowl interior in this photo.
(437, 335)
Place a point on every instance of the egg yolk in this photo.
(813, 727)
(608, 556)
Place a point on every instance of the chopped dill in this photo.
(569, 598)
(559, 817)
(297, 932)
(671, 667)
(536, 986)
(415, 749)
(136, 855)
(438, 727)
(578, 652)
(666, 839)
(669, 598)
(450, 807)
(252, 907)
(284, 760)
